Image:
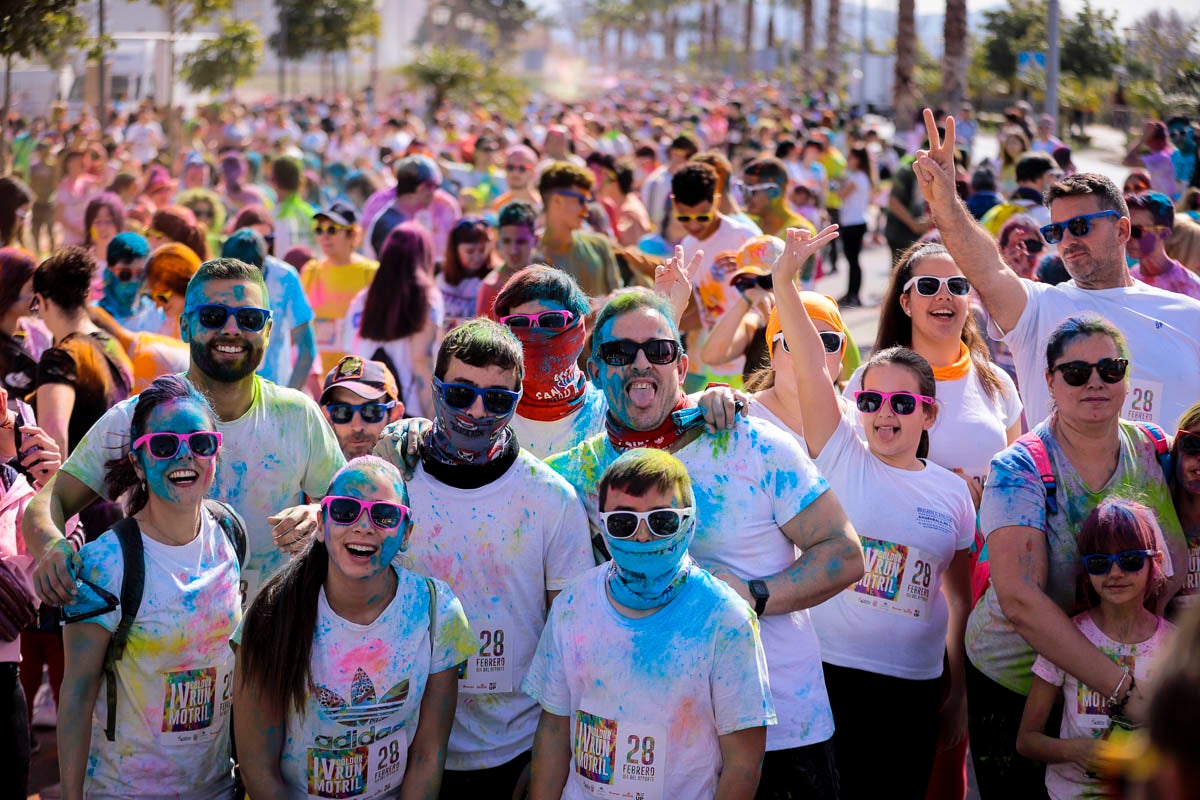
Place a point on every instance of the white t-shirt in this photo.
(1162, 329)
(748, 481)
(855, 204)
(893, 621)
(1084, 708)
(970, 427)
(649, 698)
(175, 680)
(544, 439)
(460, 300)
(280, 450)
(501, 547)
(353, 738)
(714, 295)
(398, 350)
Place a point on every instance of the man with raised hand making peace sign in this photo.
(1089, 222)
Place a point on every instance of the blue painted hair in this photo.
(126, 247)
(626, 301)
(539, 282)
(1158, 204)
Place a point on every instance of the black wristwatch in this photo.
(761, 594)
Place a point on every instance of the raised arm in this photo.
(818, 398)
(972, 248)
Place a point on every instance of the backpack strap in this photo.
(432, 615)
(1036, 448)
(133, 583)
(1162, 448)
(231, 522)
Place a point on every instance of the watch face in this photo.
(758, 589)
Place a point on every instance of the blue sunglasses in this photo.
(1078, 226)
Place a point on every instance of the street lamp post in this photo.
(1051, 106)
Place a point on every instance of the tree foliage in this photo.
(30, 27)
(459, 75)
(1010, 30)
(1162, 48)
(322, 26)
(226, 61)
(1090, 48)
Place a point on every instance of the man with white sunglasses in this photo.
(1090, 223)
(650, 672)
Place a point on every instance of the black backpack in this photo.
(129, 535)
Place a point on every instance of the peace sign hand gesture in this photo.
(801, 245)
(934, 168)
(674, 281)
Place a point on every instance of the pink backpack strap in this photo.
(1036, 448)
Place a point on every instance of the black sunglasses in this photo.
(128, 274)
(371, 413)
(214, 316)
(744, 283)
(1077, 373)
(623, 352)
(1033, 246)
(1129, 561)
(462, 395)
(80, 609)
(1188, 443)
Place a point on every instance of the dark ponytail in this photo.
(120, 477)
(277, 633)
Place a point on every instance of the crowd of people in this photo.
(499, 458)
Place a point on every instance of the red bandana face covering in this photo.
(661, 438)
(554, 384)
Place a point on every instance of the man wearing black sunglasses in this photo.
(360, 398)
(589, 258)
(506, 533)
(1091, 226)
(277, 447)
(759, 497)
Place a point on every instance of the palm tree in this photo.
(954, 56)
(904, 91)
(748, 37)
(808, 47)
(833, 47)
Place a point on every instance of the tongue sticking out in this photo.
(642, 394)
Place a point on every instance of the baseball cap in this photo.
(339, 213)
(370, 380)
(758, 255)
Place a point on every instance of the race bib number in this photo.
(1143, 401)
(490, 670)
(619, 759)
(251, 581)
(195, 704)
(1191, 583)
(899, 579)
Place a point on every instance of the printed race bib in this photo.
(366, 771)
(619, 759)
(1143, 402)
(899, 579)
(490, 670)
(328, 332)
(1191, 583)
(1091, 708)
(196, 703)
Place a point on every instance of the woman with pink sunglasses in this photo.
(163, 727)
(898, 632)
(347, 674)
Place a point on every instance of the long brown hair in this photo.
(466, 231)
(398, 300)
(895, 327)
